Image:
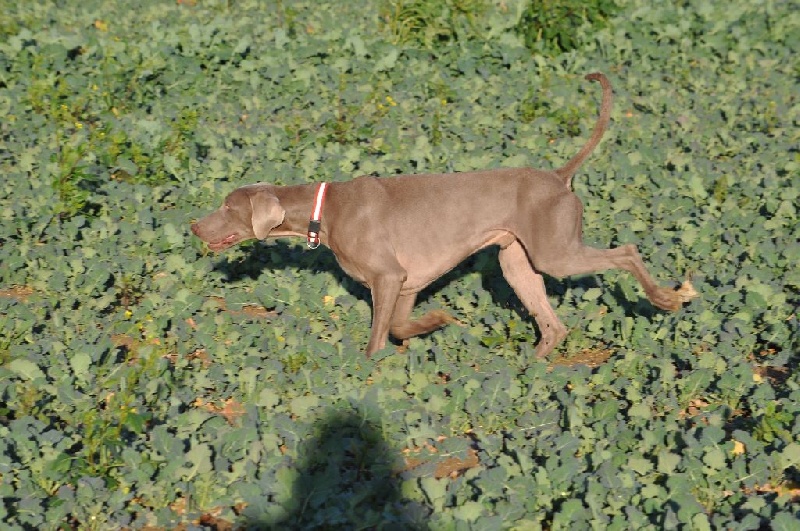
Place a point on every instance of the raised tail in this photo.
(568, 170)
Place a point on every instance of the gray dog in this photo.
(397, 235)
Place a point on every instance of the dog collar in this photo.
(314, 223)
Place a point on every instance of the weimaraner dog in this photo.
(397, 235)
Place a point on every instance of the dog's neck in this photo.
(298, 202)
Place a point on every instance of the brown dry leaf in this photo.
(18, 293)
(202, 355)
(124, 340)
(178, 506)
(694, 408)
(775, 375)
(232, 410)
(592, 358)
(451, 467)
(248, 310)
(254, 310)
(210, 519)
(431, 448)
(454, 466)
(787, 488)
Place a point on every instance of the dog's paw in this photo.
(686, 292)
(673, 300)
(445, 318)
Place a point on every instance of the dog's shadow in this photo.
(279, 255)
(282, 255)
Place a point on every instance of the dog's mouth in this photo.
(224, 243)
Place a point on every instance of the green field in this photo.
(146, 383)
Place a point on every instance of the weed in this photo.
(431, 22)
(773, 424)
(567, 118)
(295, 362)
(552, 25)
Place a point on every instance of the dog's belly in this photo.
(422, 270)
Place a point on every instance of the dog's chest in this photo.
(351, 268)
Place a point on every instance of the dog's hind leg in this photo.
(402, 325)
(529, 287)
(581, 259)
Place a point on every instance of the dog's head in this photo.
(248, 212)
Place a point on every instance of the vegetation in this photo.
(145, 382)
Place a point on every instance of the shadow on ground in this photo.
(283, 255)
(346, 478)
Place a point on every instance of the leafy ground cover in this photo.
(146, 383)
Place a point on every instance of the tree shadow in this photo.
(346, 478)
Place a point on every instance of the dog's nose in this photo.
(194, 228)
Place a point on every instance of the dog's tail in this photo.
(569, 169)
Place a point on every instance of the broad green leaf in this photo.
(435, 490)
(27, 369)
(668, 462)
(80, 363)
(715, 458)
(469, 511)
(302, 405)
(790, 456)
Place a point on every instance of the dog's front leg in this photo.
(385, 292)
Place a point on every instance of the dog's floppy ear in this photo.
(267, 213)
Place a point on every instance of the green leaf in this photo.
(268, 398)
(668, 462)
(715, 458)
(198, 461)
(640, 410)
(302, 405)
(388, 61)
(469, 511)
(640, 466)
(27, 369)
(435, 490)
(592, 294)
(784, 521)
(701, 522)
(80, 363)
(790, 455)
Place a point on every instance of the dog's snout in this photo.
(194, 229)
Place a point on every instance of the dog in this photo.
(396, 235)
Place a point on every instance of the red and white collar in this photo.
(314, 223)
